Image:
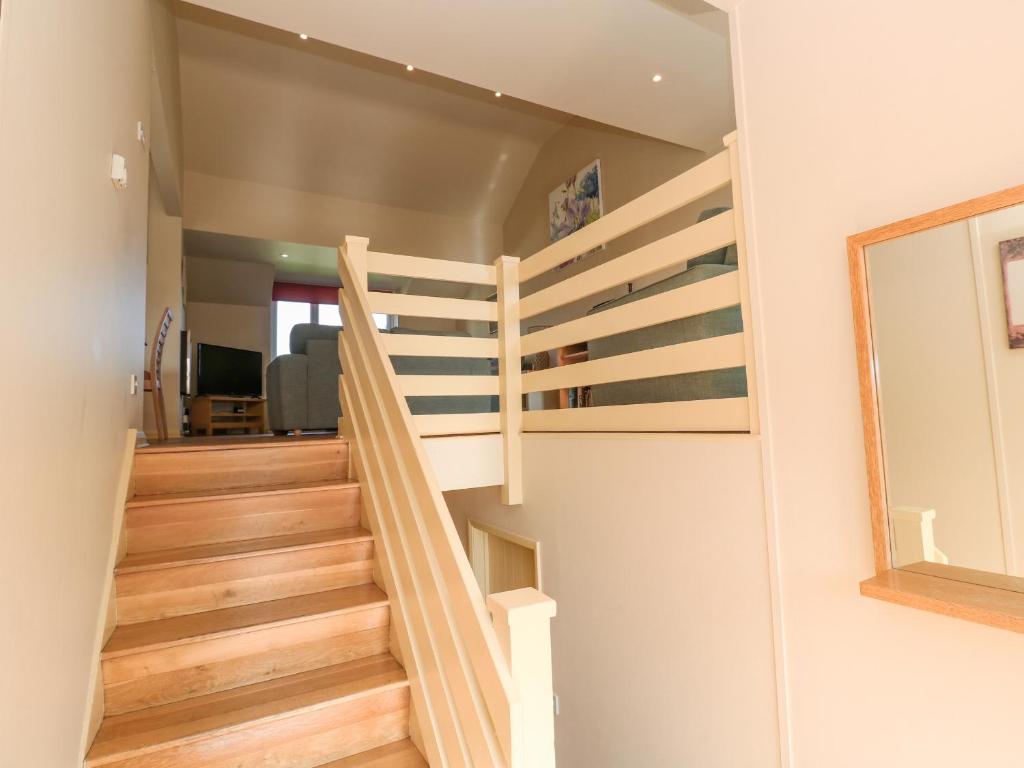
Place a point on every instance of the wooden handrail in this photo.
(471, 713)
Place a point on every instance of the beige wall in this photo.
(234, 207)
(630, 165)
(856, 113)
(654, 549)
(930, 359)
(229, 304)
(164, 289)
(74, 81)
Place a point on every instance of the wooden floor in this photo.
(250, 631)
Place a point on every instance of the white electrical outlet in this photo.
(133, 385)
(556, 704)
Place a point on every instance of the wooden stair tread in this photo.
(149, 635)
(397, 754)
(236, 493)
(234, 442)
(160, 727)
(231, 550)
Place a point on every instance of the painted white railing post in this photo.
(510, 377)
(522, 621)
(732, 144)
(355, 249)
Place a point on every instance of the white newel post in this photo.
(354, 249)
(522, 620)
(742, 266)
(510, 378)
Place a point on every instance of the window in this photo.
(328, 314)
(288, 314)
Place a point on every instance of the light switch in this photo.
(133, 385)
(119, 172)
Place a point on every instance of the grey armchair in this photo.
(302, 387)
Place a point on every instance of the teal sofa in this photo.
(702, 385)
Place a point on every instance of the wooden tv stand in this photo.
(212, 412)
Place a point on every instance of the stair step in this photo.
(169, 521)
(232, 649)
(225, 465)
(227, 575)
(297, 721)
(398, 754)
(162, 633)
(233, 550)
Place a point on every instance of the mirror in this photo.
(945, 315)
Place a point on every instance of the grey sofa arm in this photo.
(324, 369)
(288, 393)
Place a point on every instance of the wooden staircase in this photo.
(251, 630)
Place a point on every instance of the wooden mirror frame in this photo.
(985, 598)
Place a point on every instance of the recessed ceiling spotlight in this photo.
(497, 94)
(284, 255)
(656, 78)
(303, 36)
(409, 68)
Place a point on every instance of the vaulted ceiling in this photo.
(263, 106)
(593, 58)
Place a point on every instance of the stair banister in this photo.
(468, 702)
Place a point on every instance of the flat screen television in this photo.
(228, 371)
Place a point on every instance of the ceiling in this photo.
(592, 58)
(260, 105)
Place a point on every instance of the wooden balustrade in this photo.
(484, 697)
(463, 691)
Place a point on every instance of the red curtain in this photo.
(311, 294)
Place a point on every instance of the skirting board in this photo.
(107, 616)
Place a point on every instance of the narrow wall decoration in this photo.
(1011, 253)
(575, 203)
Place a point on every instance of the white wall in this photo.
(74, 81)
(229, 305)
(856, 113)
(164, 289)
(933, 390)
(654, 549)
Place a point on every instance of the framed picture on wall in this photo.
(1011, 253)
(574, 203)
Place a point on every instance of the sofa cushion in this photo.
(701, 385)
(303, 332)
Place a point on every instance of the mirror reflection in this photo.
(947, 318)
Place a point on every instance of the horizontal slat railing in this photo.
(725, 415)
(433, 425)
(672, 360)
(679, 354)
(433, 307)
(709, 176)
(696, 299)
(430, 269)
(668, 252)
(437, 386)
(457, 668)
(440, 346)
